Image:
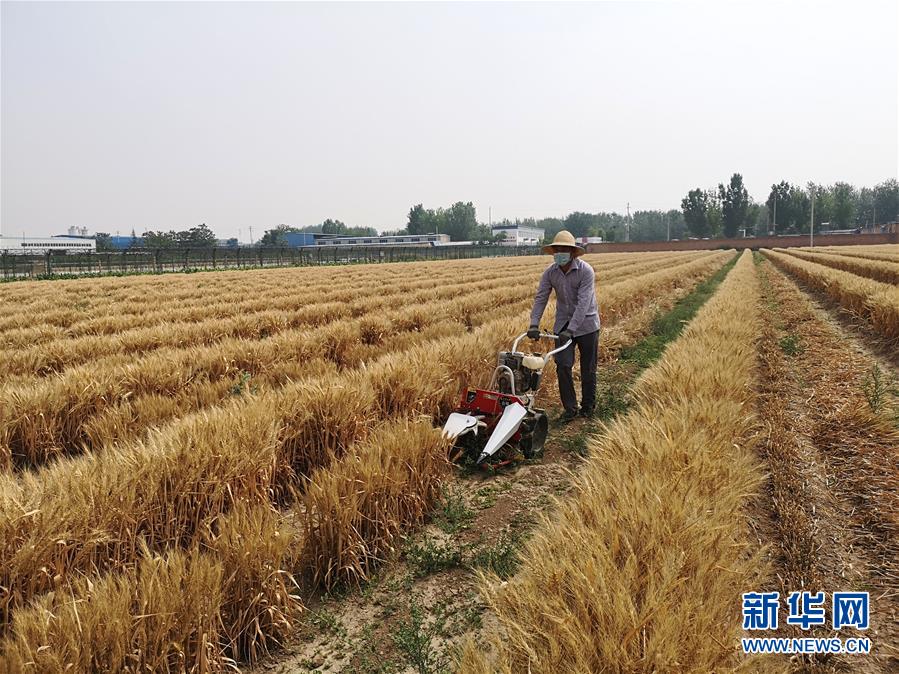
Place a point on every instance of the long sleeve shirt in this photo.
(575, 298)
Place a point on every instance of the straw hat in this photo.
(564, 239)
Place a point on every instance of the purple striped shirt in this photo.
(575, 298)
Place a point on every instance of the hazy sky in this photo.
(166, 115)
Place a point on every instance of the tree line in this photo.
(195, 237)
(729, 210)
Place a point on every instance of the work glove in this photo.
(534, 332)
(565, 336)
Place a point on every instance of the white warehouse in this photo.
(519, 235)
(42, 244)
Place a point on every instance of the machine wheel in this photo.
(534, 429)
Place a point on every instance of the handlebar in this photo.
(543, 335)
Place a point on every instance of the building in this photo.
(39, 245)
(389, 240)
(124, 242)
(297, 239)
(518, 235)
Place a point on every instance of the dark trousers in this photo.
(588, 346)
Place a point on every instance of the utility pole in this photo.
(627, 223)
(668, 225)
(251, 236)
(811, 231)
(490, 216)
(774, 217)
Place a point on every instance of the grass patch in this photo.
(878, 387)
(501, 557)
(413, 638)
(430, 557)
(791, 345)
(452, 514)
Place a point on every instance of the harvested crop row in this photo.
(241, 321)
(887, 253)
(643, 565)
(335, 297)
(85, 316)
(89, 405)
(243, 575)
(83, 312)
(185, 287)
(177, 290)
(56, 355)
(887, 272)
(229, 599)
(871, 301)
(163, 491)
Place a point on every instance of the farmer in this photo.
(577, 318)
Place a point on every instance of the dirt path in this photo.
(831, 510)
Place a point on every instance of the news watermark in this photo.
(761, 611)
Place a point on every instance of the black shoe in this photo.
(566, 416)
(586, 412)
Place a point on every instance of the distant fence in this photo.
(788, 241)
(140, 260)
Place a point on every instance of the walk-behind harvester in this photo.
(492, 427)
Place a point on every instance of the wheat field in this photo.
(188, 462)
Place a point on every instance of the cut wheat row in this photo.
(886, 272)
(167, 490)
(89, 406)
(155, 310)
(262, 319)
(83, 317)
(641, 567)
(75, 302)
(92, 315)
(886, 253)
(871, 301)
(399, 477)
(231, 596)
(56, 355)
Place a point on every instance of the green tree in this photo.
(580, 224)
(460, 221)
(419, 220)
(886, 201)
(330, 226)
(104, 241)
(792, 208)
(276, 236)
(734, 205)
(550, 227)
(158, 239)
(695, 207)
(844, 205)
(199, 236)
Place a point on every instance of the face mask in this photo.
(562, 258)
